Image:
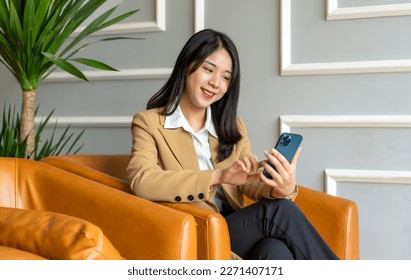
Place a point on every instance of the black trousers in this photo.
(275, 229)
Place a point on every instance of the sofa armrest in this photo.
(213, 240)
(212, 232)
(54, 236)
(139, 229)
(335, 218)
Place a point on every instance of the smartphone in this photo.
(287, 145)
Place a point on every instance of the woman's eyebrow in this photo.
(214, 65)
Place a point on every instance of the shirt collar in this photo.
(177, 119)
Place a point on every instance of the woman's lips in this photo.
(207, 93)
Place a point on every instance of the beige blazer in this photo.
(164, 166)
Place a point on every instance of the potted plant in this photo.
(37, 36)
(10, 146)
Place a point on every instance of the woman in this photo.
(190, 146)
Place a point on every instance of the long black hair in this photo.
(224, 112)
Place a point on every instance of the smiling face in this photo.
(208, 83)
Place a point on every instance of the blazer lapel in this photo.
(181, 145)
(214, 151)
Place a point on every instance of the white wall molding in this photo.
(199, 15)
(134, 74)
(288, 68)
(159, 24)
(333, 176)
(349, 67)
(101, 75)
(287, 122)
(372, 11)
(285, 30)
(332, 121)
(88, 121)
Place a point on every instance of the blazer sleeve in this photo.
(152, 171)
(255, 190)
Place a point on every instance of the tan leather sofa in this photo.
(335, 218)
(49, 213)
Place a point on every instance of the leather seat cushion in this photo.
(53, 235)
(8, 253)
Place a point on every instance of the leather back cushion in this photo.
(53, 235)
(106, 169)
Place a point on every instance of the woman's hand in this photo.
(240, 172)
(283, 181)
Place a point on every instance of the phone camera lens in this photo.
(286, 140)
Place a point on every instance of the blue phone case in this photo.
(287, 145)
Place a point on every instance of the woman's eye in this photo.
(227, 78)
(208, 69)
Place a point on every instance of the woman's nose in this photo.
(214, 81)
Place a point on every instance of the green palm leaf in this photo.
(66, 66)
(94, 63)
(36, 36)
(9, 135)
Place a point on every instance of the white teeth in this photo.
(208, 93)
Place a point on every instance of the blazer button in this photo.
(177, 198)
(190, 197)
(200, 195)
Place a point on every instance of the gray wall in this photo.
(339, 76)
